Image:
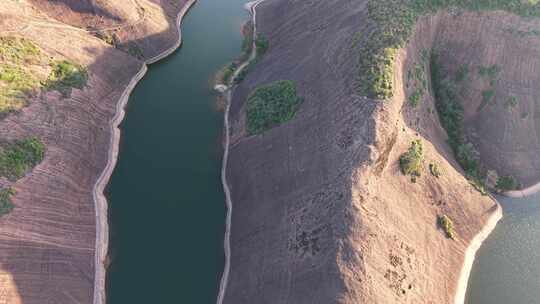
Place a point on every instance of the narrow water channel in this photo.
(166, 203)
(507, 266)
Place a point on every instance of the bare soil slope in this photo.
(47, 243)
(322, 213)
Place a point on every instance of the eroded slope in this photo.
(48, 240)
(321, 211)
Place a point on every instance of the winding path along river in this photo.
(166, 204)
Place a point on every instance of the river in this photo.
(166, 203)
(506, 269)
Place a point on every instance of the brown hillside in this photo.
(321, 211)
(48, 241)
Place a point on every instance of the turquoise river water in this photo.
(166, 204)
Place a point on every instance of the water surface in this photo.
(507, 267)
(166, 205)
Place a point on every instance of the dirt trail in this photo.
(252, 7)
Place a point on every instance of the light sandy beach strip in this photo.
(523, 192)
(470, 254)
(102, 227)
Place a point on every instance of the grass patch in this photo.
(17, 81)
(18, 50)
(271, 105)
(393, 24)
(447, 225)
(6, 205)
(16, 86)
(65, 76)
(20, 156)
(410, 162)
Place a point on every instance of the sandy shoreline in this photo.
(102, 227)
(523, 192)
(470, 254)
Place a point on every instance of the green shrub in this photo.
(446, 224)
(20, 156)
(511, 102)
(410, 162)
(506, 183)
(487, 96)
(271, 105)
(65, 76)
(6, 205)
(462, 73)
(261, 45)
(490, 72)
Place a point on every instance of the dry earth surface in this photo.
(47, 243)
(322, 213)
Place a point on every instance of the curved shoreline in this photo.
(470, 254)
(100, 201)
(226, 90)
(523, 192)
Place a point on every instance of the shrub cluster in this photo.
(271, 105)
(447, 226)
(65, 76)
(410, 162)
(450, 111)
(6, 205)
(20, 156)
(393, 23)
(506, 183)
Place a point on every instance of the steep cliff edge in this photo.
(48, 240)
(322, 213)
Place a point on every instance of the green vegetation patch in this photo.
(487, 97)
(261, 45)
(65, 76)
(506, 183)
(17, 81)
(410, 162)
(20, 156)
(489, 72)
(394, 22)
(511, 102)
(16, 86)
(6, 205)
(18, 50)
(271, 105)
(447, 102)
(446, 224)
(416, 77)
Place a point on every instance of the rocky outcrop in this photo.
(322, 213)
(48, 241)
